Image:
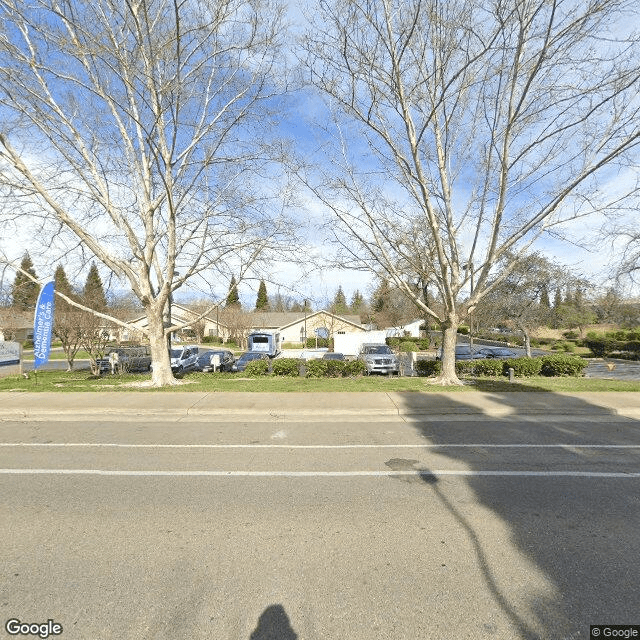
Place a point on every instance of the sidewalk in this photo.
(174, 406)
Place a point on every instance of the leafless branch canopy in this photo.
(477, 126)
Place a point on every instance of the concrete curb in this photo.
(200, 406)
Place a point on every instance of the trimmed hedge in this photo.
(257, 368)
(286, 367)
(334, 368)
(407, 346)
(491, 368)
(428, 368)
(421, 344)
(523, 367)
(562, 365)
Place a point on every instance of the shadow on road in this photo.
(273, 624)
(580, 532)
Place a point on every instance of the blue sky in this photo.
(592, 260)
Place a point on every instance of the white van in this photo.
(184, 358)
(265, 342)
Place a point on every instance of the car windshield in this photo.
(176, 353)
(378, 349)
(250, 356)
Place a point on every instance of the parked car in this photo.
(465, 352)
(497, 352)
(126, 359)
(333, 356)
(241, 363)
(207, 361)
(184, 358)
(313, 354)
(378, 358)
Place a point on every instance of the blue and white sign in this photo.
(43, 325)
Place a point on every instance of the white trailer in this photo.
(350, 343)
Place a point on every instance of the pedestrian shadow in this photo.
(579, 531)
(273, 624)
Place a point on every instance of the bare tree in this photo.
(517, 299)
(131, 132)
(465, 130)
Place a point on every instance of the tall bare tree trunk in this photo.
(162, 374)
(448, 375)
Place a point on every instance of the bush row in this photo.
(314, 368)
(554, 365)
(409, 343)
(603, 344)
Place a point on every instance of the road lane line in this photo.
(117, 445)
(425, 473)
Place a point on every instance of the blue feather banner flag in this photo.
(43, 325)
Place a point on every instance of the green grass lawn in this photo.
(206, 382)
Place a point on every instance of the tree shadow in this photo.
(273, 624)
(580, 530)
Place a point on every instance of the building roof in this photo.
(12, 319)
(282, 320)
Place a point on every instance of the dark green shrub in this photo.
(322, 343)
(286, 367)
(632, 345)
(428, 367)
(562, 365)
(257, 368)
(465, 367)
(394, 342)
(316, 368)
(408, 346)
(211, 340)
(571, 335)
(599, 344)
(335, 368)
(490, 367)
(354, 368)
(423, 343)
(523, 367)
(567, 347)
(463, 329)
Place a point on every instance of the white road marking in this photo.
(324, 474)
(319, 446)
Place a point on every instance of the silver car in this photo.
(378, 358)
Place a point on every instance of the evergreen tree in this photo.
(545, 302)
(262, 301)
(339, 302)
(25, 291)
(93, 293)
(357, 302)
(233, 299)
(62, 282)
(568, 298)
(557, 299)
(381, 296)
(62, 285)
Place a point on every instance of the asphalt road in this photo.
(470, 527)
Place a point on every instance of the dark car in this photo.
(333, 356)
(241, 363)
(497, 352)
(207, 360)
(126, 359)
(465, 352)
